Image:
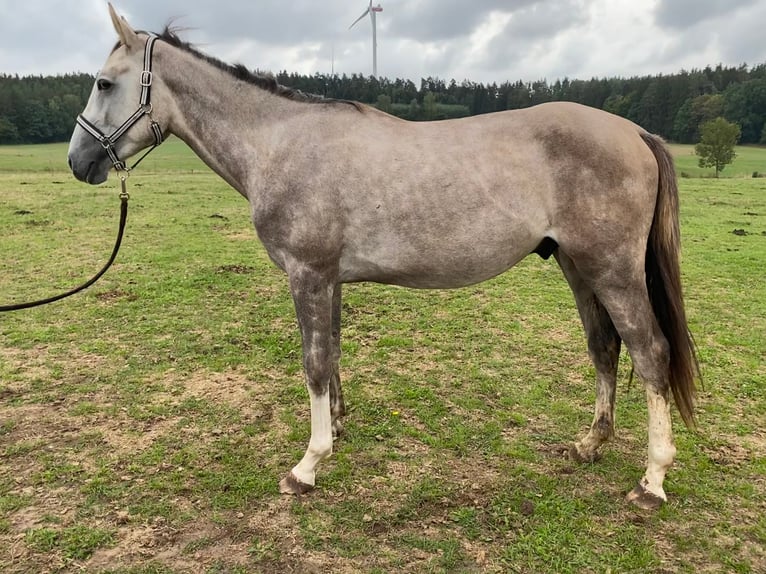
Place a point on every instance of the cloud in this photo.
(681, 14)
(710, 32)
(742, 40)
(481, 40)
(436, 20)
(533, 37)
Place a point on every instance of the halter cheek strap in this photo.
(144, 109)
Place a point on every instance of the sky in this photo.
(479, 40)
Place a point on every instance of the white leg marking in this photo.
(320, 444)
(662, 451)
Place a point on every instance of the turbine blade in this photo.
(360, 17)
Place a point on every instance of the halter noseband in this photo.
(144, 109)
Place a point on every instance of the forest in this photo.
(36, 109)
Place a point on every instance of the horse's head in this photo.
(118, 120)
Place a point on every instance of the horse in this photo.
(340, 192)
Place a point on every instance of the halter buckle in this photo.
(146, 79)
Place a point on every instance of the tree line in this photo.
(38, 109)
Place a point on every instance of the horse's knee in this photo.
(319, 370)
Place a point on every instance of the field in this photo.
(144, 423)
(749, 160)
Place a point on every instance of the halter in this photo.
(144, 109)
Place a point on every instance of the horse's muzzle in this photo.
(92, 172)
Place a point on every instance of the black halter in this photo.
(144, 109)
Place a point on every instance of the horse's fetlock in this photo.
(662, 455)
(604, 427)
(321, 449)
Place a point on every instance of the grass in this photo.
(144, 424)
(749, 160)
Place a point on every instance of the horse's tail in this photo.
(663, 281)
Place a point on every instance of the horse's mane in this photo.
(241, 72)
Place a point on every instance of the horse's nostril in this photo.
(69, 162)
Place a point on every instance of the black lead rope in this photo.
(124, 196)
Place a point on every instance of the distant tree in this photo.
(429, 106)
(746, 105)
(413, 111)
(693, 113)
(8, 132)
(618, 104)
(518, 96)
(716, 146)
(38, 109)
(384, 103)
(652, 110)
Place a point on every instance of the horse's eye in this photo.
(103, 84)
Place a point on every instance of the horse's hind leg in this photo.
(337, 405)
(604, 351)
(623, 292)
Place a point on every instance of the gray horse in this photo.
(340, 192)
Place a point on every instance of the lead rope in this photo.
(124, 197)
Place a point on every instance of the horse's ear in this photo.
(127, 35)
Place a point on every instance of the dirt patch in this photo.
(71, 438)
(160, 542)
(236, 269)
(114, 295)
(241, 235)
(124, 434)
(230, 387)
(267, 536)
(730, 455)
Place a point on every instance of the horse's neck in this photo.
(226, 122)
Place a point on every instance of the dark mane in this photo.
(240, 72)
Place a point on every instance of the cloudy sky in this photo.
(479, 40)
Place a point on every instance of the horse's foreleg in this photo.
(313, 296)
(604, 351)
(337, 405)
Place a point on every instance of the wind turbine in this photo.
(372, 11)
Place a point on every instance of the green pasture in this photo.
(749, 160)
(173, 156)
(145, 423)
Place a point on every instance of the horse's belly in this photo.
(452, 265)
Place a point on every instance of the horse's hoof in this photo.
(644, 499)
(577, 456)
(291, 485)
